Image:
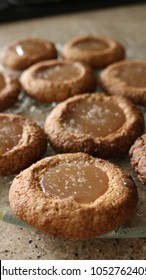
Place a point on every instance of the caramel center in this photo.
(134, 75)
(95, 118)
(59, 73)
(91, 45)
(2, 82)
(84, 183)
(30, 48)
(10, 134)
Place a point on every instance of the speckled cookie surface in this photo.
(22, 142)
(57, 80)
(126, 78)
(9, 90)
(21, 54)
(66, 216)
(96, 51)
(67, 134)
(138, 157)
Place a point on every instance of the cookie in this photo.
(73, 195)
(19, 55)
(94, 123)
(96, 51)
(138, 157)
(126, 78)
(57, 80)
(22, 142)
(9, 90)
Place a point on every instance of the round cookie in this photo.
(73, 195)
(19, 55)
(138, 157)
(126, 78)
(9, 90)
(57, 80)
(22, 142)
(96, 51)
(94, 123)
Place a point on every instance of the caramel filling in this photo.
(91, 45)
(30, 48)
(59, 73)
(2, 82)
(134, 75)
(84, 183)
(10, 134)
(95, 118)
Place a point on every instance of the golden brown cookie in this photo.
(57, 80)
(96, 51)
(126, 78)
(138, 157)
(22, 142)
(73, 195)
(94, 123)
(9, 90)
(19, 55)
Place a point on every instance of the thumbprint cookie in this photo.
(126, 78)
(96, 51)
(94, 123)
(57, 80)
(21, 54)
(9, 90)
(22, 142)
(73, 195)
(138, 157)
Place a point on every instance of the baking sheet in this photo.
(135, 227)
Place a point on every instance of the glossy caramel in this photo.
(84, 183)
(59, 73)
(97, 118)
(91, 45)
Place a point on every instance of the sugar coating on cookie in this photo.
(9, 90)
(96, 51)
(138, 157)
(94, 123)
(126, 78)
(21, 54)
(57, 80)
(22, 142)
(73, 195)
